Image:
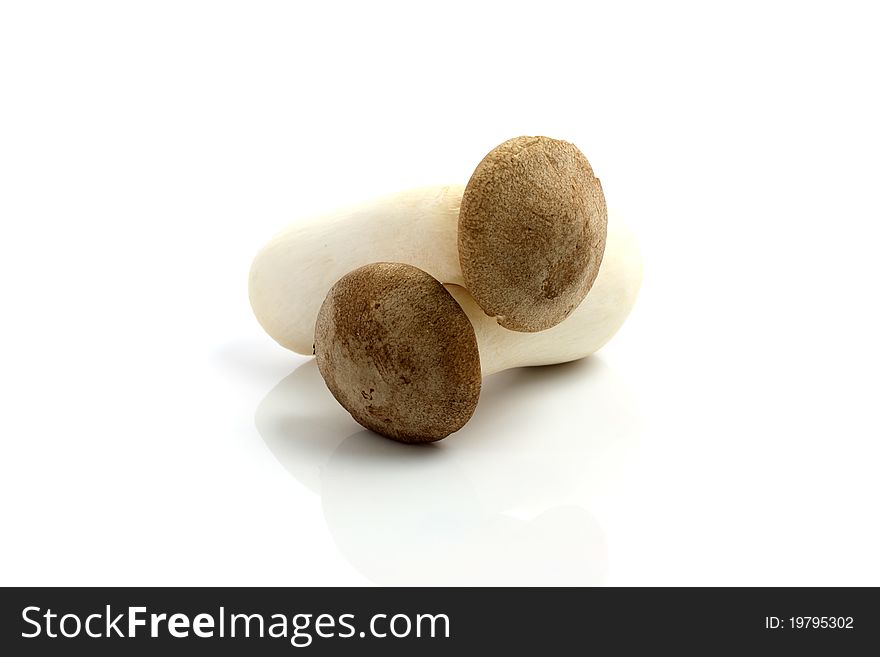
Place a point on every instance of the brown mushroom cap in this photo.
(531, 232)
(398, 352)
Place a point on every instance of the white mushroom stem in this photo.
(291, 275)
(588, 328)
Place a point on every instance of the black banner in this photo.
(113, 621)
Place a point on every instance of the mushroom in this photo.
(405, 355)
(398, 352)
(531, 232)
(526, 237)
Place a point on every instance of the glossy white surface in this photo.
(151, 433)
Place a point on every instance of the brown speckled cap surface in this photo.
(531, 232)
(398, 353)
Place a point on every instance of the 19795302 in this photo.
(809, 623)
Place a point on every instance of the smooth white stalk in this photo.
(292, 274)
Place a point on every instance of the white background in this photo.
(153, 434)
